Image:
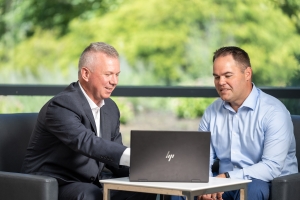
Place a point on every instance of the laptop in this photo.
(169, 156)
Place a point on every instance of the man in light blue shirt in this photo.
(251, 131)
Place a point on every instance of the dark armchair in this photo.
(288, 187)
(15, 131)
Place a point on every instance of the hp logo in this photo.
(169, 156)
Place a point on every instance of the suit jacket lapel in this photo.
(86, 106)
(103, 121)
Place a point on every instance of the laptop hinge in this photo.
(143, 180)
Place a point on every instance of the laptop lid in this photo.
(169, 156)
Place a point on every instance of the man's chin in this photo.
(224, 98)
(107, 95)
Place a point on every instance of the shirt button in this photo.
(92, 178)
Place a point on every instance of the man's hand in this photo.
(221, 176)
(215, 196)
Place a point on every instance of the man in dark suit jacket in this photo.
(77, 131)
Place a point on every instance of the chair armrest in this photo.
(286, 187)
(26, 186)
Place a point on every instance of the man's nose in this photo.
(114, 79)
(222, 80)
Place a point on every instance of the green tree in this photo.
(173, 40)
(292, 9)
(25, 16)
(170, 41)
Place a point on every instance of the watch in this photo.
(227, 175)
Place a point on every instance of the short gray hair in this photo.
(87, 56)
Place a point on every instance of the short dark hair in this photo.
(238, 54)
(87, 55)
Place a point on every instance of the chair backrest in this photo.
(15, 132)
(296, 123)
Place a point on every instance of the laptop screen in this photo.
(169, 156)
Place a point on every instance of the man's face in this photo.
(231, 83)
(103, 77)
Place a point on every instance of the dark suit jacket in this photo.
(64, 144)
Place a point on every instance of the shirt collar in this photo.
(250, 101)
(91, 103)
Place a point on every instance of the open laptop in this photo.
(169, 156)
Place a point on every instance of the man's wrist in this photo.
(226, 174)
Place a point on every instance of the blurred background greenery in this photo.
(161, 42)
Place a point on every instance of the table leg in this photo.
(243, 193)
(106, 193)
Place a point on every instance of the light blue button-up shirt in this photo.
(257, 141)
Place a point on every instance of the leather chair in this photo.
(15, 131)
(288, 187)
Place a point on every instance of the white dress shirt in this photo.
(95, 110)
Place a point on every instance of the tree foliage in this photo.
(292, 9)
(25, 16)
(161, 42)
(173, 40)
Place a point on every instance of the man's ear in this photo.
(248, 73)
(85, 73)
